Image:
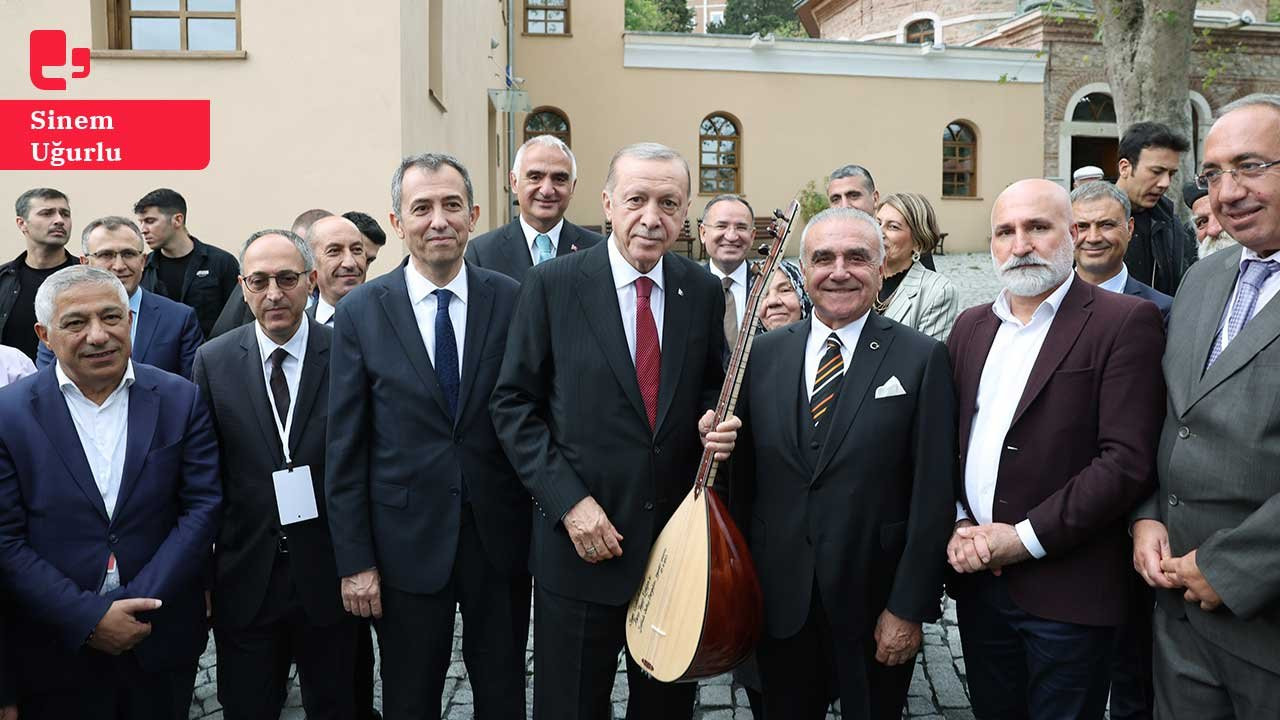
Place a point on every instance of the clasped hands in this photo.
(974, 548)
(594, 536)
(1154, 561)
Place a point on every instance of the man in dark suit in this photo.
(613, 355)
(1207, 538)
(275, 590)
(1058, 416)
(426, 512)
(109, 502)
(1104, 226)
(727, 231)
(164, 333)
(339, 248)
(846, 469)
(543, 177)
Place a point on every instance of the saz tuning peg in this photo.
(763, 250)
(778, 214)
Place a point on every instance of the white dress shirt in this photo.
(424, 307)
(104, 434)
(1116, 284)
(738, 288)
(14, 365)
(816, 346)
(324, 311)
(1270, 287)
(624, 280)
(531, 236)
(296, 347)
(1004, 378)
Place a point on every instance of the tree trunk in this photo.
(1146, 46)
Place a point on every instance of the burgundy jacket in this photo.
(1080, 453)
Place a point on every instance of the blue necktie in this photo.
(446, 352)
(543, 243)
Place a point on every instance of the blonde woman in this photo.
(912, 294)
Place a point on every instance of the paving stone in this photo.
(461, 712)
(953, 639)
(715, 695)
(958, 714)
(717, 715)
(920, 706)
(206, 691)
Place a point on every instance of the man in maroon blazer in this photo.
(1060, 410)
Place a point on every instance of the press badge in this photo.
(295, 495)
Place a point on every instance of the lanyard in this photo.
(284, 429)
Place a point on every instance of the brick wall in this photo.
(858, 18)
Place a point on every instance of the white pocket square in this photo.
(891, 388)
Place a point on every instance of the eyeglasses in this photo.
(1245, 171)
(258, 282)
(109, 256)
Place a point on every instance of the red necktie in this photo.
(648, 355)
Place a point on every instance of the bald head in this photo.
(1048, 195)
(1032, 237)
(340, 259)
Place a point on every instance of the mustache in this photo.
(1032, 260)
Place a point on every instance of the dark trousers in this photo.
(1196, 679)
(122, 691)
(415, 638)
(1131, 684)
(364, 670)
(253, 661)
(1023, 667)
(576, 645)
(803, 673)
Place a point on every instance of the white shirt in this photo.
(738, 288)
(531, 236)
(296, 346)
(1004, 378)
(104, 434)
(324, 311)
(14, 365)
(1270, 287)
(1116, 284)
(624, 280)
(816, 346)
(424, 304)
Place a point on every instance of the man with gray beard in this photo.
(1059, 414)
(1210, 237)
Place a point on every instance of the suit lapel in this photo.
(1065, 328)
(144, 410)
(394, 298)
(873, 345)
(788, 388)
(568, 239)
(599, 300)
(1217, 294)
(1257, 333)
(479, 310)
(148, 317)
(516, 250)
(314, 366)
(909, 288)
(49, 408)
(259, 399)
(675, 336)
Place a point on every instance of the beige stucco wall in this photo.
(795, 128)
(317, 114)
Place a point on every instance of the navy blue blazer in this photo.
(55, 536)
(168, 336)
(1146, 292)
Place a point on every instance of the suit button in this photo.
(1173, 499)
(113, 539)
(814, 445)
(648, 506)
(1184, 432)
(453, 491)
(657, 449)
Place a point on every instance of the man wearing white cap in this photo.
(1086, 175)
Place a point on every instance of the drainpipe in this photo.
(511, 116)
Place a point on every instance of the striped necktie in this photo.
(826, 384)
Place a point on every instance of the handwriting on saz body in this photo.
(49, 50)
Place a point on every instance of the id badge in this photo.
(295, 495)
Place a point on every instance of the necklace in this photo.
(881, 305)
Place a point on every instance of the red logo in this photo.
(49, 50)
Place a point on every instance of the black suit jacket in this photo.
(506, 250)
(210, 278)
(1146, 292)
(870, 514)
(396, 462)
(229, 373)
(569, 412)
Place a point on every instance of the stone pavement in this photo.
(937, 690)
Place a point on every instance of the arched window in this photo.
(547, 121)
(719, 155)
(959, 160)
(919, 32)
(1095, 107)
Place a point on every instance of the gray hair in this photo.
(308, 258)
(1100, 191)
(1256, 99)
(547, 141)
(838, 213)
(726, 197)
(110, 222)
(852, 170)
(431, 162)
(648, 151)
(67, 278)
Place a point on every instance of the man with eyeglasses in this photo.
(1163, 247)
(1207, 538)
(165, 334)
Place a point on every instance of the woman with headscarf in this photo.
(785, 300)
(911, 294)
